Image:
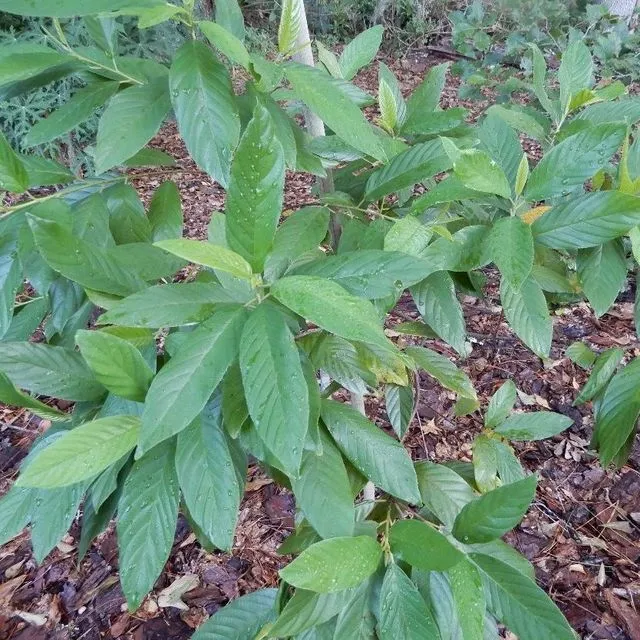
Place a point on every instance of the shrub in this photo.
(154, 431)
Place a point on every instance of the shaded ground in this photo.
(581, 534)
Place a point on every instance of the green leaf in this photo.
(227, 43)
(575, 73)
(443, 491)
(334, 565)
(422, 546)
(409, 236)
(184, 385)
(618, 412)
(168, 305)
(149, 157)
(53, 513)
(306, 610)
(130, 120)
(519, 603)
(512, 248)
(539, 80)
(493, 514)
(209, 484)
(485, 463)
(400, 407)
(117, 364)
(501, 404)
(254, 200)
(87, 264)
(205, 108)
(470, 602)
(574, 160)
(501, 142)
(290, 25)
(10, 281)
(13, 174)
(229, 16)
(240, 619)
(165, 212)
(416, 164)
(208, 255)
(82, 453)
(533, 426)
(368, 273)
(527, 313)
(15, 512)
(625, 110)
(509, 467)
(274, 385)
(234, 405)
(356, 620)
(147, 517)
(603, 273)
(403, 612)
(444, 371)
(70, 8)
(325, 96)
(436, 301)
(44, 172)
(300, 233)
(426, 96)
(580, 354)
(393, 109)
(72, 113)
(360, 51)
(372, 452)
(587, 220)
(520, 120)
(604, 367)
(331, 307)
(476, 170)
(49, 371)
(10, 395)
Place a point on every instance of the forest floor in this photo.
(582, 533)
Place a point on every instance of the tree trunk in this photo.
(622, 8)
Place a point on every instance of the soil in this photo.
(581, 534)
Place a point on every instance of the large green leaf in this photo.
(274, 385)
(603, 273)
(9, 394)
(572, 162)
(368, 273)
(49, 371)
(331, 307)
(618, 411)
(229, 16)
(182, 388)
(416, 164)
(372, 452)
(403, 611)
(423, 546)
(70, 8)
(290, 25)
(165, 212)
(208, 480)
(476, 170)
(89, 265)
(469, 598)
(443, 491)
(444, 371)
(169, 305)
(82, 453)
(15, 512)
(604, 367)
(527, 313)
(493, 514)
(226, 43)
(205, 108)
(587, 220)
(79, 108)
(208, 255)
(512, 249)
(533, 426)
(147, 516)
(13, 173)
(356, 620)
(10, 281)
(130, 120)
(323, 491)
(575, 73)
(43, 172)
(437, 303)
(326, 97)
(501, 404)
(501, 142)
(360, 51)
(254, 200)
(426, 96)
(519, 603)
(400, 407)
(334, 565)
(240, 619)
(116, 363)
(625, 110)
